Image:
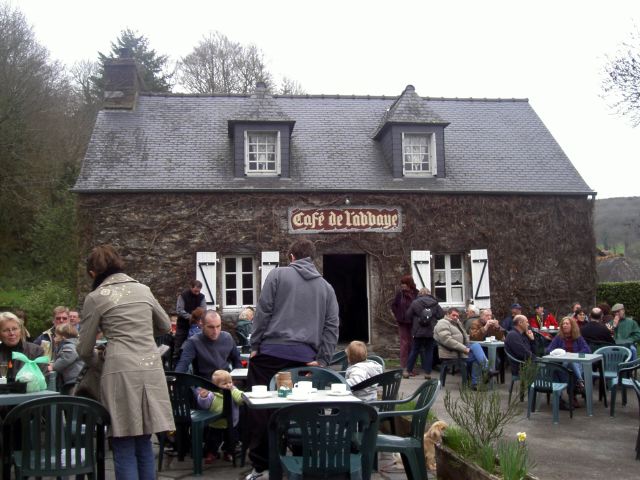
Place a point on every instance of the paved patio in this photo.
(583, 447)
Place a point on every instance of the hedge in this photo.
(627, 293)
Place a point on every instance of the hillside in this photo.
(617, 229)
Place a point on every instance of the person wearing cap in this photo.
(542, 318)
(625, 329)
(507, 322)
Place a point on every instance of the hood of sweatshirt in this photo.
(305, 268)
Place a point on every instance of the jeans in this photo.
(423, 346)
(476, 355)
(133, 458)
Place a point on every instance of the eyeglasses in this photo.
(62, 318)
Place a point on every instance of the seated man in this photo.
(507, 322)
(486, 326)
(212, 349)
(594, 331)
(453, 342)
(520, 342)
(47, 338)
(625, 329)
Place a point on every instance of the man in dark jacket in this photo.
(519, 342)
(594, 331)
(296, 324)
(424, 311)
(188, 301)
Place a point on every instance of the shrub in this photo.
(40, 301)
(627, 293)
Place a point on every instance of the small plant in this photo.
(458, 440)
(486, 458)
(514, 458)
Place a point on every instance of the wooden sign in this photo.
(347, 219)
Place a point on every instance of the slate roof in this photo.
(177, 142)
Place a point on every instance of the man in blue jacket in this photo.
(296, 324)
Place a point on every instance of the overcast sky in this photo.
(551, 52)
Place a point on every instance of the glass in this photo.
(4, 368)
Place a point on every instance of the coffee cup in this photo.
(299, 393)
(491, 339)
(338, 388)
(259, 389)
(552, 327)
(303, 386)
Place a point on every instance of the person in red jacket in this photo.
(542, 319)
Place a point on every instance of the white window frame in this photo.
(431, 154)
(240, 287)
(447, 271)
(272, 172)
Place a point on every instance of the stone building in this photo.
(474, 197)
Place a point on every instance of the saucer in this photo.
(297, 399)
(258, 395)
(338, 394)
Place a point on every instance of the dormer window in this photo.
(418, 153)
(262, 152)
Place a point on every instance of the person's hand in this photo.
(204, 393)
(530, 334)
(253, 354)
(313, 364)
(50, 367)
(616, 320)
(467, 350)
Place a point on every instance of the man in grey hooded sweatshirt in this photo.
(295, 325)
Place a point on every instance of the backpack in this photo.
(425, 317)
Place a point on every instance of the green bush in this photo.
(627, 293)
(39, 303)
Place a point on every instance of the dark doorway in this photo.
(347, 274)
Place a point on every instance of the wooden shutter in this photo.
(206, 273)
(480, 279)
(269, 261)
(421, 268)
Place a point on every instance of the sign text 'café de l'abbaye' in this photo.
(340, 220)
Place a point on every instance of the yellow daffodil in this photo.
(522, 436)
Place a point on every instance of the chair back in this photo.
(243, 340)
(327, 433)
(628, 369)
(614, 356)
(426, 396)
(515, 363)
(60, 436)
(183, 397)
(340, 358)
(548, 373)
(376, 358)
(320, 377)
(389, 382)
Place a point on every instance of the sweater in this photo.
(208, 355)
(68, 363)
(359, 372)
(518, 346)
(297, 307)
(626, 331)
(576, 345)
(214, 402)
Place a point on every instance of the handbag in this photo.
(89, 378)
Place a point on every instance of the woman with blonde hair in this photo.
(133, 385)
(13, 337)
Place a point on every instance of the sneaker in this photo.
(427, 376)
(255, 475)
(405, 374)
(210, 458)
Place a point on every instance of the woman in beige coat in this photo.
(133, 385)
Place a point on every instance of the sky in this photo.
(551, 52)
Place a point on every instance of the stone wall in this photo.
(541, 248)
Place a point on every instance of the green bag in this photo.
(30, 372)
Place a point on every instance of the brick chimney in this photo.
(122, 81)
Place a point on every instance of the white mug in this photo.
(259, 389)
(492, 339)
(338, 387)
(297, 392)
(303, 386)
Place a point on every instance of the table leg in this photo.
(492, 357)
(588, 386)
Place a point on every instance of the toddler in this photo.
(67, 364)
(360, 369)
(217, 431)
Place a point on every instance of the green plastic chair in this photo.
(340, 358)
(185, 415)
(389, 383)
(612, 357)
(514, 378)
(627, 374)
(410, 448)
(60, 436)
(377, 358)
(546, 382)
(337, 438)
(320, 377)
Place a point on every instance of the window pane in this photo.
(439, 278)
(231, 297)
(247, 280)
(456, 294)
(229, 264)
(441, 294)
(438, 261)
(247, 297)
(456, 277)
(247, 264)
(231, 281)
(456, 261)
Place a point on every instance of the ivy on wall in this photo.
(627, 293)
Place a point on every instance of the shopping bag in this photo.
(30, 372)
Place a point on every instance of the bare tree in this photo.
(290, 87)
(220, 65)
(622, 80)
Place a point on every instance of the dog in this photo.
(432, 438)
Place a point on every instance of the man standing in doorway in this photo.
(296, 324)
(188, 301)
